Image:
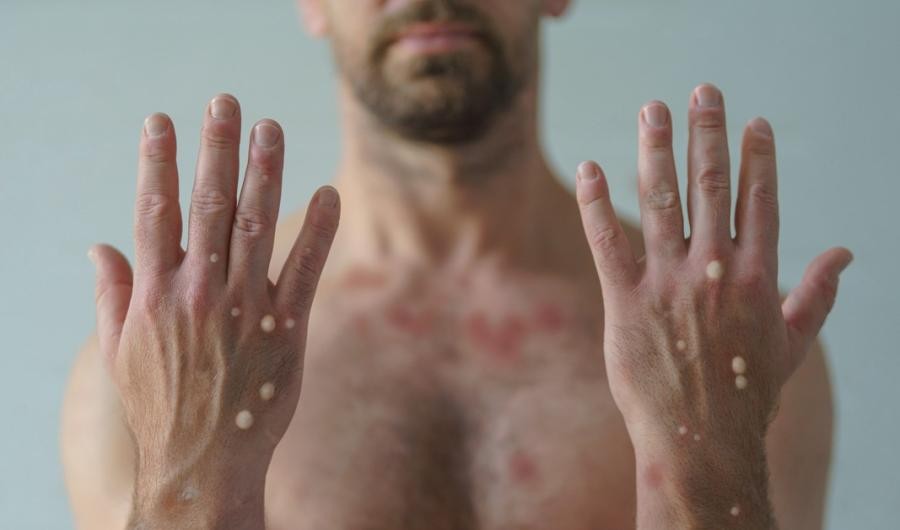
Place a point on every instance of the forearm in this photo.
(703, 484)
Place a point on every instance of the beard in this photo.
(443, 98)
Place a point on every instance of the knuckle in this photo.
(252, 222)
(713, 180)
(265, 166)
(604, 239)
(661, 199)
(764, 196)
(709, 121)
(658, 139)
(197, 300)
(155, 205)
(157, 154)
(323, 228)
(762, 147)
(210, 201)
(827, 288)
(218, 138)
(754, 280)
(152, 299)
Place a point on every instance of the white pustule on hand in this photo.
(188, 494)
(715, 270)
(682, 430)
(235, 311)
(289, 323)
(244, 420)
(735, 510)
(680, 345)
(740, 382)
(213, 258)
(267, 323)
(738, 365)
(266, 391)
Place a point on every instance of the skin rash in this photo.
(476, 347)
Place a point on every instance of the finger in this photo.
(157, 214)
(300, 275)
(215, 187)
(756, 211)
(661, 218)
(112, 295)
(612, 253)
(709, 186)
(807, 305)
(253, 232)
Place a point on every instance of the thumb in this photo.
(111, 295)
(808, 304)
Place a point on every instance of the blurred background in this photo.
(77, 79)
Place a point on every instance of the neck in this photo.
(450, 204)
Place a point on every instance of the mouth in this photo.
(436, 37)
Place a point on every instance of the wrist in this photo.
(203, 497)
(694, 480)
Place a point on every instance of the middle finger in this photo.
(215, 187)
(709, 173)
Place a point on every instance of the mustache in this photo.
(440, 11)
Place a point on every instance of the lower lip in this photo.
(436, 43)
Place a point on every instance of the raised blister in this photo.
(714, 270)
(244, 419)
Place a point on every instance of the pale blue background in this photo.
(77, 78)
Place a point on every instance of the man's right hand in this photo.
(205, 351)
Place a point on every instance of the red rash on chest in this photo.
(363, 279)
(501, 339)
(548, 317)
(417, 323)
(522, 468)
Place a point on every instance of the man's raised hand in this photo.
(206, 352)
(696, 340)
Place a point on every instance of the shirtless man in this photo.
(484, 350)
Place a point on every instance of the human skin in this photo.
(416, 231)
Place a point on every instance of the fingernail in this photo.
(156, 125)
(761, 126)
(266, 135)
(655, 115)
(588, 171)
(328, 197)
(708, 96)
(222, 108)
(847, 261)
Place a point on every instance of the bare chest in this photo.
(458, 410)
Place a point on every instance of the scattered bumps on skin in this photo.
(735, 510)
(213, 258)
(739, 367)
(683, 430)
(680, 345)
(289, 323)
(235, 311)
(244, 420)
(266, 391)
